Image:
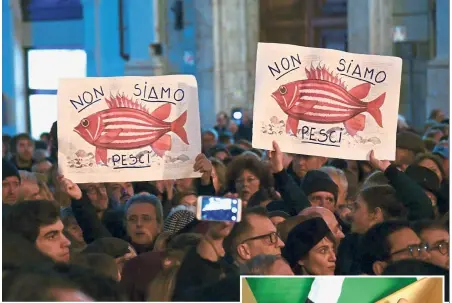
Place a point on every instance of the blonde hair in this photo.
(38, 179)
(161, 289)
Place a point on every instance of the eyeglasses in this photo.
(442, 247)
(414, 250)
(273, 237)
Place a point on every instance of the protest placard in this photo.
(326, 102)
(128, 128)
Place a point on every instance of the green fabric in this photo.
(296, 290)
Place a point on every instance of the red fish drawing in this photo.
(126, 124)
(323, 98)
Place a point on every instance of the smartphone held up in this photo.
(219, 209)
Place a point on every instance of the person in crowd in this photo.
(302, 164)
(266, 265)
(45, 137)
(72, 230)
(437, 237)
(10, 183)
(209, 139)
(278, 216)
(338, 177)
(225, 138)
(375, 204)
(218, 176)
(245, 130)
(120, 192)
(6, 147)
(31, 188)
(432, 162)
(263, 197)
(204, 264)
(429, 144)
(39, 222)
(101, 263)
(23, 152)
(437, 115)
(40, 151)
(442, 150)
(320, 189)
(219, 152)
(43, 166)
(408, 146)
(388, 242)
(310, 248)
(329, 218)
(233, 128)
(429, 181)
(222, 122)
(246, 175)
(254, 235)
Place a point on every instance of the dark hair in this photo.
(88, 281)
(17, 138)
(183, 241)
(45, 134)
(100, 263)
(181, 195)
(236, 150)
(28, 217)
(40, 145)
(429, 144)
(421, 225)
(385, 198)
(224, 137)
(436, 159)
(263, 194)
(375, 245)
(254, 165)
(413, 267)
(231, 242)
(375, 178)
(260, 265)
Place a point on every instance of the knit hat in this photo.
(302, 238)
(316, 180)
(114, 247)
(279, 205)
(410, 141)
(278, 213)
(9, 170)
(423, 176)
(178, 220)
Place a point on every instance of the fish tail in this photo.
(177, 127)
(373, 108)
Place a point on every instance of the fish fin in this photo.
(109, 137)
(99, 131)
(302, 106)
(360, 91)
(322, 73)
(162, 112)
(101, 155)
(373, 108)
(177, 127)
(162, 145)
(292, 125)
(355, 124)
(121, 101)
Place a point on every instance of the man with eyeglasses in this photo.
(437, 237)
(388, 242)
(254, 235)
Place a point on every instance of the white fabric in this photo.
(326, 289)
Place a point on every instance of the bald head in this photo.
(328, 216)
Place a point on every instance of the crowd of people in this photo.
(302, 215)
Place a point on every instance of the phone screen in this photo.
(219, 209)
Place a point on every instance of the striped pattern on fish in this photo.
(324, 99)
(131, 127)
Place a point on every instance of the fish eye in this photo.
(282, 90)
(85, 123)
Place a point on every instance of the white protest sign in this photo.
(326, 102)
(128, 128)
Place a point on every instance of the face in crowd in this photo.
(142, 223)
(363, 218)
(52, 242)
(404, 244)
(262, 238)
(323, 199)
(120, 192)
(247, 185)
(209, 140)
(301, 164)
(24, 149)
(321, 259)
(328, 217)
(97, 194)
(438, 243)
(10, 189)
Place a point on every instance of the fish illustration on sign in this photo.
(323, 98)
(127, 125)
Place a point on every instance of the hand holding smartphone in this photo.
(219, 209)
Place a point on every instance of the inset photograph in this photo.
(342, 289)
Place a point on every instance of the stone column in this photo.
(236, 33)
(438, 68)
(370, 26)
